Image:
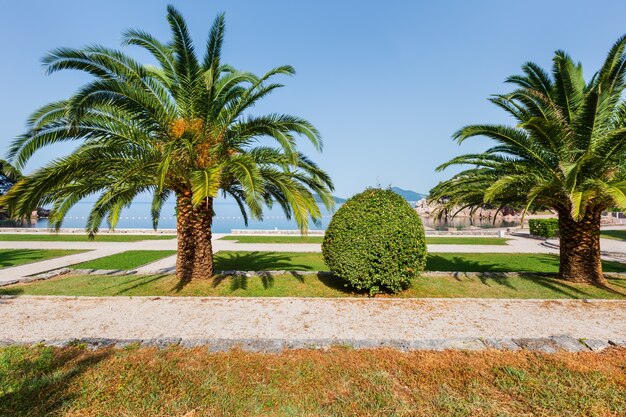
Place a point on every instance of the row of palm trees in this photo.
(183, 128)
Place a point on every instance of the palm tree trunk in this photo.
(195, 252)
(580, 259)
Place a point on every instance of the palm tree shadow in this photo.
(234, 266)
(139, 282)
(257, 261)
(13, 257)
(497, 276)
(615, 282)
(460, 264)
(43, 381)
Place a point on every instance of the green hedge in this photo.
(544, 227)
(375, 242)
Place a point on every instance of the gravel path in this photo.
(32, 319)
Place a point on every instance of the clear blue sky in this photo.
(387, 83)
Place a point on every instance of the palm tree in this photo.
(9, 171)
(181, 128)
(566, 152)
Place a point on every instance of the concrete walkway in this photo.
(308, 322)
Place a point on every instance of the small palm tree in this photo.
(566, 152)
(180, 128)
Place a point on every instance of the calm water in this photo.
(228, 217)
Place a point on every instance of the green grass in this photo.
(614, 234)
(529, 285)
(15, 257)
(38, 381)
(444, 240)
(463, 262)
(126, 260)
(503, 262)
(53, 237)
(312, 285)
(263, 261)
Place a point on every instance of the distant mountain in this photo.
(337, 199)
(408, 195)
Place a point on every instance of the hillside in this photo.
(337, 199)
(408, 195)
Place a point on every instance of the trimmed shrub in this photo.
(544, 227)
(375, 242)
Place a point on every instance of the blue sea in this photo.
(228, 217)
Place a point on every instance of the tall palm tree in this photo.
(566, 152)
(181, 128)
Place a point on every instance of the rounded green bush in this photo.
(375, 242)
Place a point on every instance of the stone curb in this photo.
(553, 344)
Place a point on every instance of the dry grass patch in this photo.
(341, 381)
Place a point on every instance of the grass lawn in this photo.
(464, 262)
(312, 285)
(263, 261)
(15, 257)
(529, 285)
(503, 262)
(53, 237)
(338, 382)
(614, 234)
(126, 260)
(445, 240)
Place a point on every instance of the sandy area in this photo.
(31, 319)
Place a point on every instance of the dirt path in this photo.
(314, 321)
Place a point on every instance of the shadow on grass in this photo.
(10, 291)
(35, 381)
(250, 261)
(139, 282)
(15, 257)
(460, 264)
(614, 234)
(551, 282)
(257, 261)
(339, 284)
(241, 281)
